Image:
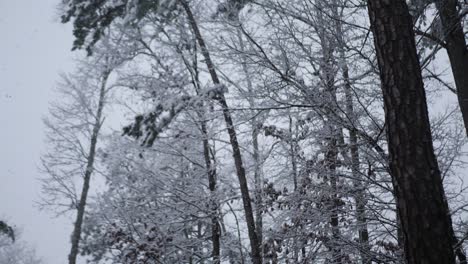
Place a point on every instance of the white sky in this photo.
(34, 47)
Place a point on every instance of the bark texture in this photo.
(421, 203)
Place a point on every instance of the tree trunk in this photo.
(254, 242)
(293, 148)
(211, 171)
(359, 196)
(421, 202)
(331, 157)
(328, 75)
(256, 152)
(258, 185)
(457, 51)
(87, 177)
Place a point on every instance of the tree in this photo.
(295, 84)
(85, 24)
(457, 50)
(253, 236)
(16, 251)
(155, 209)
(421, 202)
(306, 76)
(446, 32)
(73, 131)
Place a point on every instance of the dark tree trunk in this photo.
(421, 202)
(247, 203)
(331, 157)
(210, 164)
(461, 255)
(211, 170)
(457, 51)
(76, 235)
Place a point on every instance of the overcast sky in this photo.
(34, 48)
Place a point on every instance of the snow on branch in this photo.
(148, 126)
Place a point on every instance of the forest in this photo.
(259, 131)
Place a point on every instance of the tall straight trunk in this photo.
(293, 148)
(328, 74)
(330, 162)
(248, 211)
(457, 50)
(211, 171)
(417, 181)
(331, 159)
(359, 196)
(292, 152)
(256, 152)
(258, 185)
(357, 183)
(76, 235)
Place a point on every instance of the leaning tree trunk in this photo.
(454, 38)
(421, 202)
(254, 242)
(88, 172)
